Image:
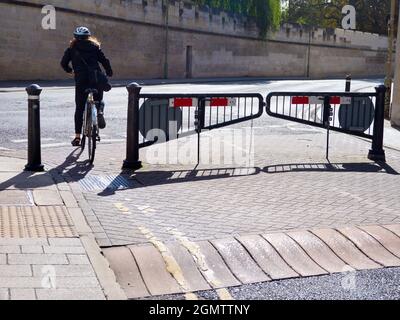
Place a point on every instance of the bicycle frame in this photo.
(92, 104)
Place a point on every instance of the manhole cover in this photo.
(110, 182)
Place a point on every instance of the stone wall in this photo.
(134, 37)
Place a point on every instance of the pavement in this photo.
(278, 212)
(47, 251)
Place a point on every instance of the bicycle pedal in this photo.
(98, 139)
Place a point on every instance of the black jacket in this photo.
(91, 54)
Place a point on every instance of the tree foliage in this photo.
(267, 13)
(371, 14)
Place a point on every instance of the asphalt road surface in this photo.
(57, 108)
(382, 284)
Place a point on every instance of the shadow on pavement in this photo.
(155, 178)
(332, 167)
(32, 180)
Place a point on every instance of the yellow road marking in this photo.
(121, 207)
(171, 264)
(199, 258)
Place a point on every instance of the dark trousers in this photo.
(80, 100)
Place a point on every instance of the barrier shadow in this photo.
(33, 180)
(367, 167)
(156, 178)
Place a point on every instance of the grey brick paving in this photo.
(15, 271)
(23, 294)
(46, 269)
(291, 186)
(41, 259)
(4, 294)
(70, 294)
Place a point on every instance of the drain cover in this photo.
(111, 182)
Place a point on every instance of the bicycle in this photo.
(90, 125)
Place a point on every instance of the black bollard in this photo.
(377, 153)
(348, 83)
(34, 147)
(132, 142)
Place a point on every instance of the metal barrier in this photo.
(359, 114)
(158, 118)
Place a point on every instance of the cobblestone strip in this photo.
(246, 260)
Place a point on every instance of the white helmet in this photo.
(82, 33)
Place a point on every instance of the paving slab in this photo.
(214, 267)
(23, 294)
(47, 198)
(35, 222)
(9, 249)
(15, 198)
(294, 255)
(66, 270)
(395, 228)
(32, 249)
(40, 259)
(4, 294)
(387, 238)
(239, 261)
(153, 269)
(21, 282)
(68, 199)
(70, 294)
(26, 181)
(267, 257)
(77, 282)
(15, 271)
(345, 249)
(11, 164)
(319, 251)
(370, 246)
(127, 272)
(11, 223)
(194, 280)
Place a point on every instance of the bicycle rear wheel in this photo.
(92, 139)
(87, 124)
(83, 142)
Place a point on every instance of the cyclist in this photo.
(84, 52)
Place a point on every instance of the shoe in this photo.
(76, 142)
(100, 116)
(101, 121)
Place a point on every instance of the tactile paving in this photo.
(36, 222)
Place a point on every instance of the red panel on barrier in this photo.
(183, 102)
(319, 100)
(219, 102)
(335, 100)
(300, 100)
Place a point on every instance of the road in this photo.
(382, 284)
(57, 108)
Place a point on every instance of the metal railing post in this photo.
(34, 147)
(377, 153)
(348, 83)
(132, 141)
